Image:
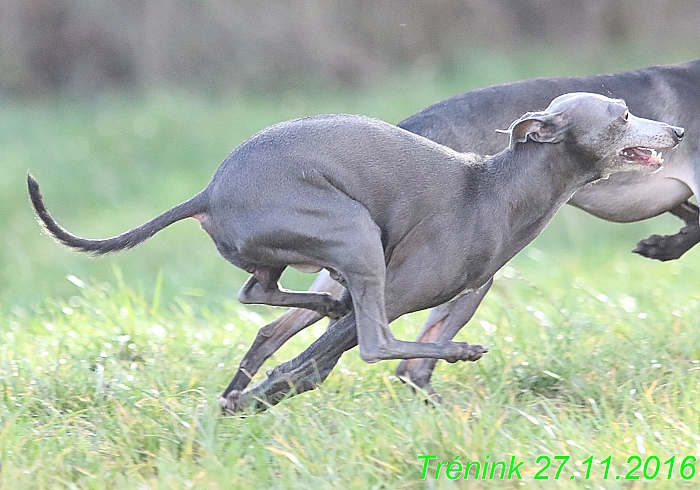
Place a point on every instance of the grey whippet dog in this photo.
(467, 121)
(379, 206)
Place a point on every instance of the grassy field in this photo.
(110, 368)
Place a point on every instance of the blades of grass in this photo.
(155, 304)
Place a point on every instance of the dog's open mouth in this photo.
(642, 156)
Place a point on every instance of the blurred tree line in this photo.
(84, 45)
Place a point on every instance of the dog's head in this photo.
(600, 130)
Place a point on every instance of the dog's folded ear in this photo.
(543, 127)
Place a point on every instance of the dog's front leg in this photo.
(671, 247)
(442, 325)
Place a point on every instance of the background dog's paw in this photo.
(669, 247)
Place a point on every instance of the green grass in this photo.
(110, 368)
(588, 357)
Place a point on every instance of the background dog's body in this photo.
(671, 94)
(467, 122)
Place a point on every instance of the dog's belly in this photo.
(625, 198)
(307, 268)
(424, 276)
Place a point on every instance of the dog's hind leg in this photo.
(313, 365)
(263, 288)
(671, 247)
(303, 373)
(273, 335)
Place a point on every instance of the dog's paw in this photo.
(337, 310)
(664, 247)
(229, 403)
(468, 352)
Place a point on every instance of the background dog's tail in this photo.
(129, 239)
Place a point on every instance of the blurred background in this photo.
(87, 45)
(122, 109)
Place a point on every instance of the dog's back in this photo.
(315, 161)
(467, 122)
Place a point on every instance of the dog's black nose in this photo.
(680, 132)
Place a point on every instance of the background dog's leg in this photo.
(273, 335)
(687, 211)
(671, 247)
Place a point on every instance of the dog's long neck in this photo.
(533, 181)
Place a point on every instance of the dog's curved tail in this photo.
(196, 205)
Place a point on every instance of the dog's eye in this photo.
(626, 116)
